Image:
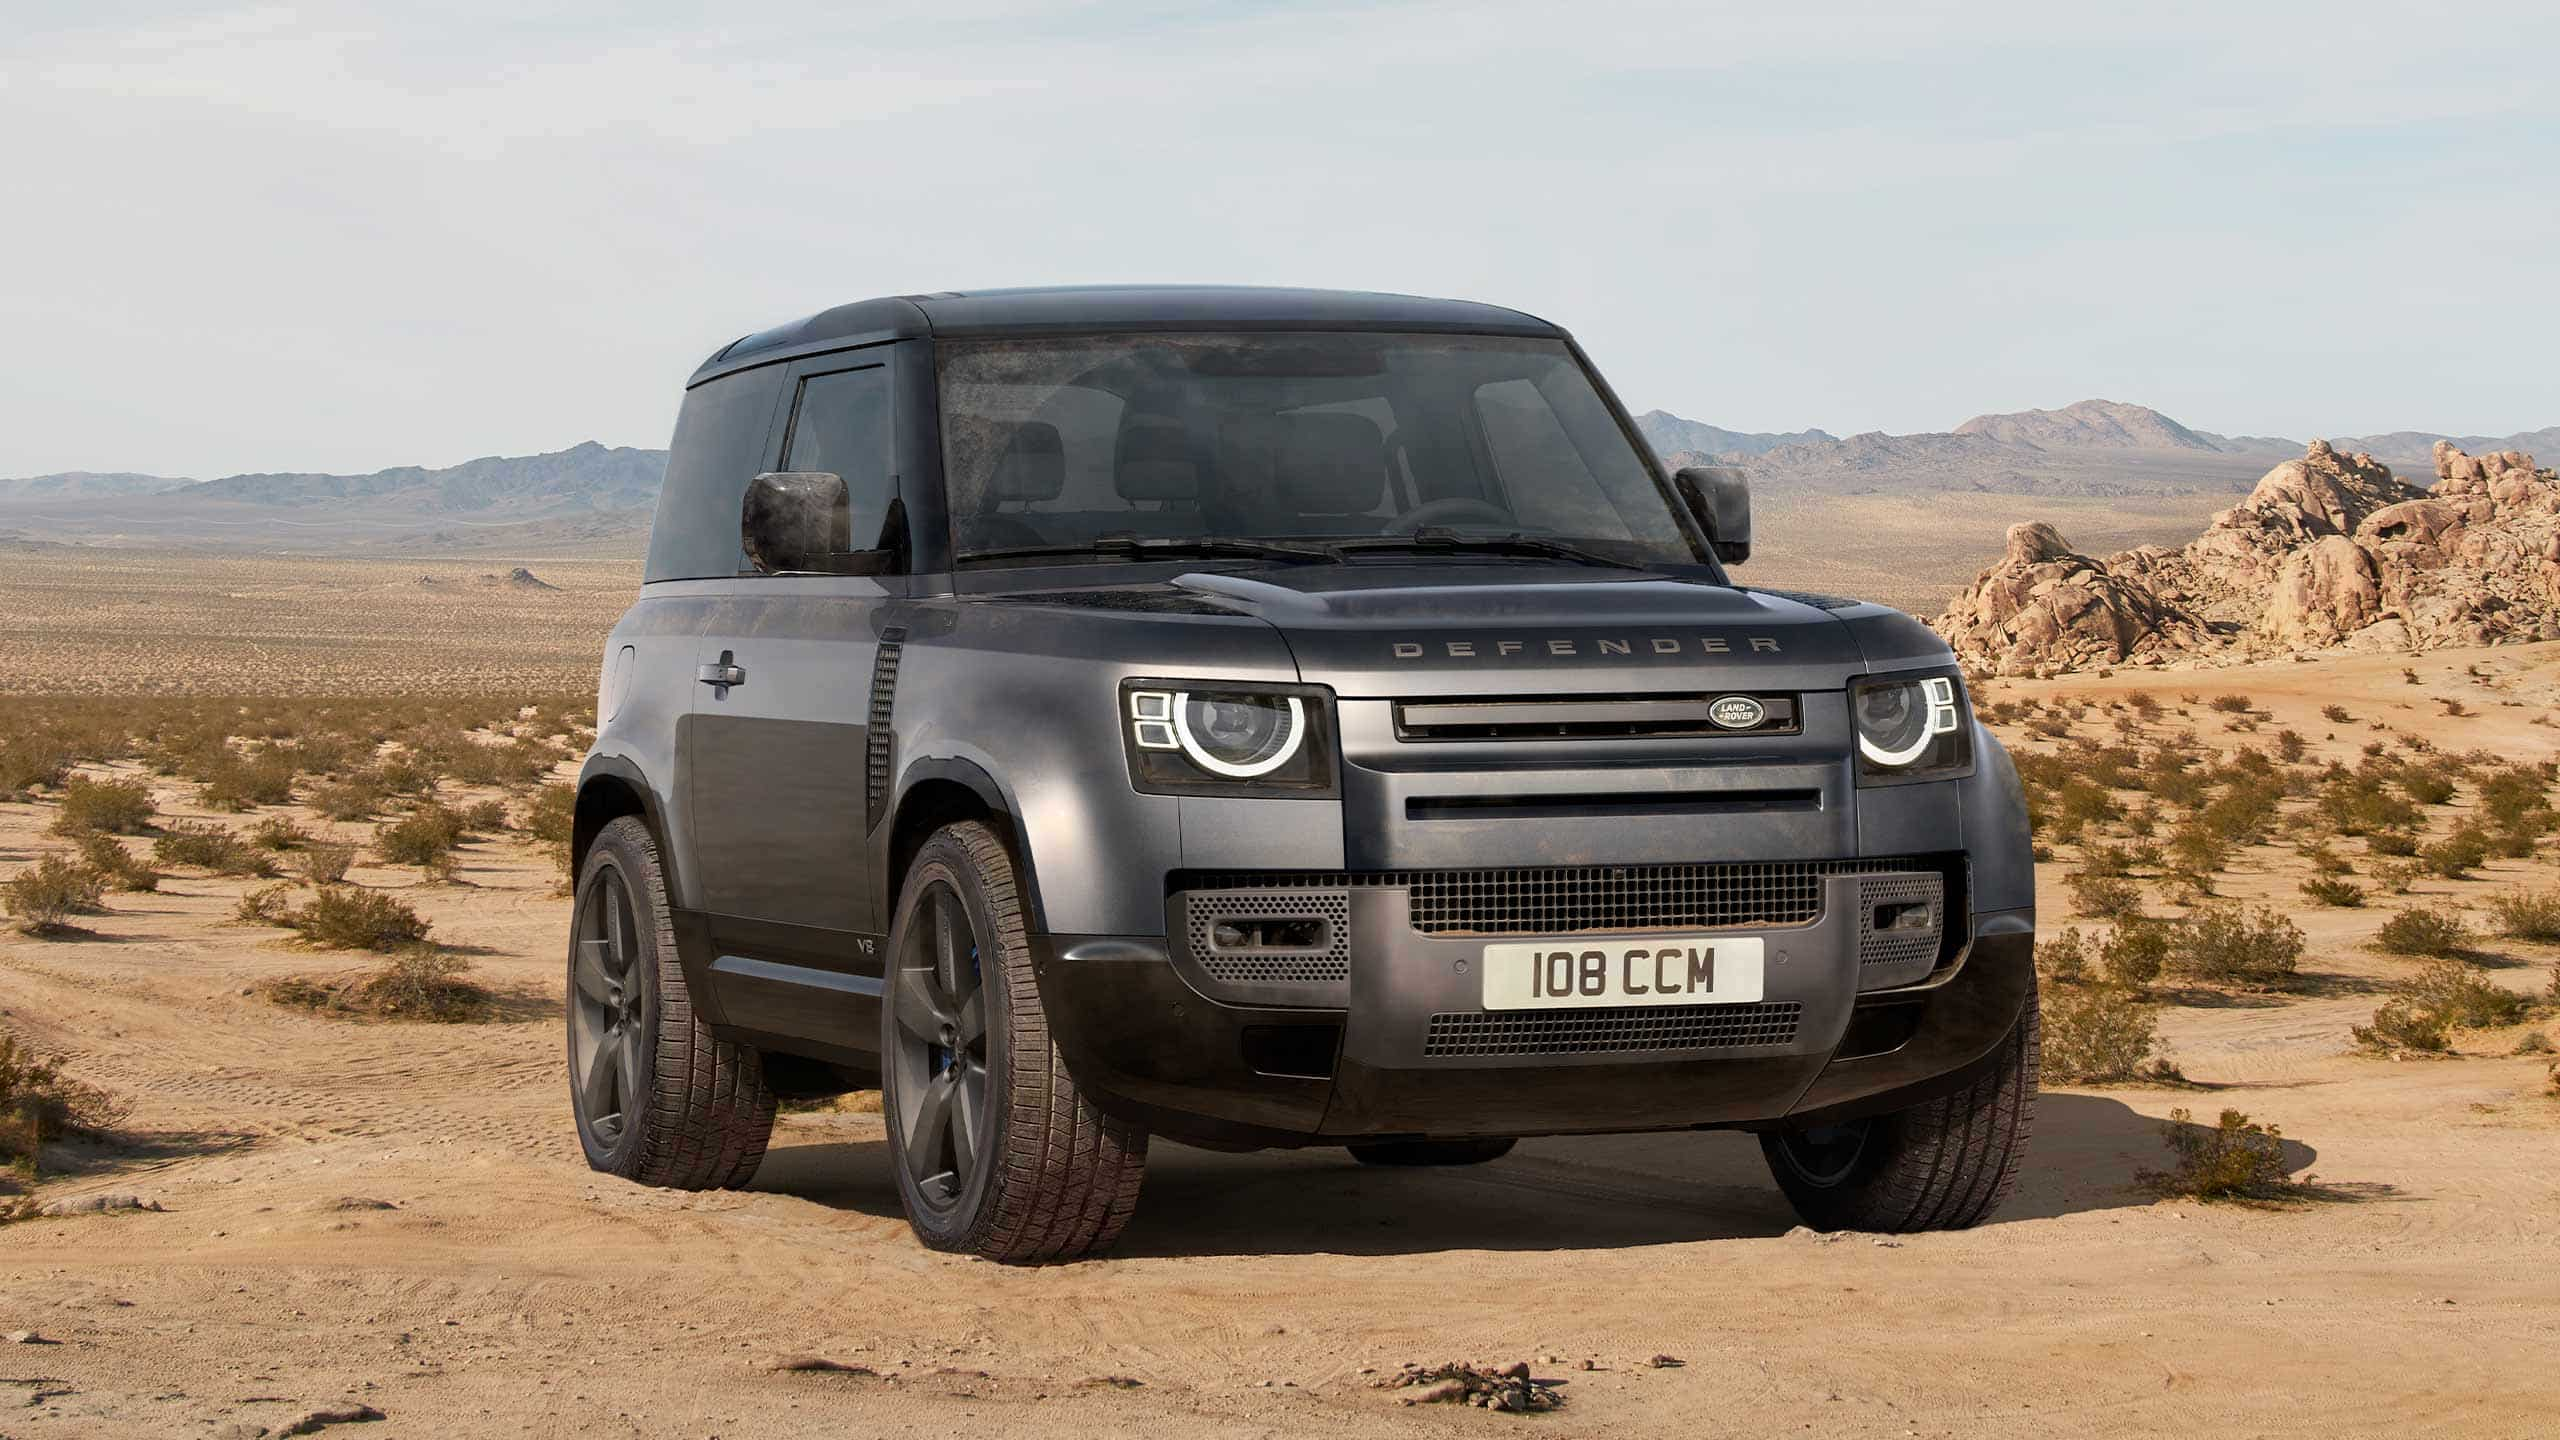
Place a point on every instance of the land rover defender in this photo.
(1263, 718)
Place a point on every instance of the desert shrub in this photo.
(2227, 945)
(2533, 915)
(423, 983)
(2237, 1159)
(2137, 952)
(2066, 958)
(2198, 852)
(2463, 996)
(2396, 876)
(2335, 714)
(105, 807)
(209, 846)
(2427, 786)
(2511, 797)
(2330, 890)
(340, 917)
(2099, 1033)
(53, 889)
(30, 763)
(118, 867)
(2113, 860)
(358, 797)
(2104, 897)
(2325, 861)
(2232, 704)
(245, 782)
(267, 905)
(2402, 1025)
(326, 862)
(2425, 930)
(39, 1104)
(408, 773)
(424, 837)
(552, 820)
(2290, 746)
(2455, 856)
(2391, 842)
(2081, 803)
(278, 832)
(485, 817)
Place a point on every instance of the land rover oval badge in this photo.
(1737, 712)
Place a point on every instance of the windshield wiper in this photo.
(1141, 547)
(1431, 539)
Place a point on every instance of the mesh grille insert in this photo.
(1899, 947)
(1626, 897)
(1597, 1032)
(1330, 964)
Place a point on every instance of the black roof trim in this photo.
(1075, 309)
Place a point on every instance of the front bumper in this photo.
(1409, 1050)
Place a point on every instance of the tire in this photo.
(997, 1153)
(1944, 1164)
(658, 1098)
(1430, 1152)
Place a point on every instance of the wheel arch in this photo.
(610, 787)
(936, 793)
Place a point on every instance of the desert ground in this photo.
(396, 1215)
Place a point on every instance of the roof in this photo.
(1071, 309)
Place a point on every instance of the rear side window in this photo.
(718, 447)
(840, 424)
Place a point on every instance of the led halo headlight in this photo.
(1900, 723)
(1235, 734)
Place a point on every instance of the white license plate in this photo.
(1661, 970)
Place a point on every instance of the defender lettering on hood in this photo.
(1564, 647)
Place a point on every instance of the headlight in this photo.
(1910, 728)
(1186, 738)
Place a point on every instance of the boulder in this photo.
(2046, 607)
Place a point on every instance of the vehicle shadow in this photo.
(1565, 1193)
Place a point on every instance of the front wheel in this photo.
(998, 1154)
(1944, 1164)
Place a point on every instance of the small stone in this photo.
(27, 1337)
(1666, 1362)
(814, 1364)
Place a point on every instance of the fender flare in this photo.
(1001, 807)
(605, 765)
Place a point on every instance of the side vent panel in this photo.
(876, 738)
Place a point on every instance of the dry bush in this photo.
(2428, 785)
(2325, 861)
(358, 797)
(40, 1104)
(2232, 704)
(2395, 876)
(424, 837)
(245, 782)
(417, 983)
(552, 821)
(2237, 1159)
(2401, 1025)
(2104, 897)
(2455, 856)
(2464, 996)
(2401, 843)
(267, 905)
(326, 862)
(209, 846)
(105, 807)
(278, 832)
(2198, 853)
(53, 889)
(2330, 890)
(2098, 1033)
(2430, 930)
(2528, 915)
(340, 917)
(120, 868)
(2336, 714)
(2226, 945)
(2290, 746)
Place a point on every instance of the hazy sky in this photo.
(344, 236)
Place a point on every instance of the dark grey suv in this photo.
(1266, 718)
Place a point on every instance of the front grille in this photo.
(1579, 899)
(1599, 1032)
(1570, 900)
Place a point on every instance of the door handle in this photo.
(724, 674)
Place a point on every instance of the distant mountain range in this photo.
(597, 496)
(2094, 447)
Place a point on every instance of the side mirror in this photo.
(801, 522)
(1720, 496)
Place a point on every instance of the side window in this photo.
(840, 424)
(1542, 474)
(719, 445)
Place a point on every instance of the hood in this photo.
(1443, 629)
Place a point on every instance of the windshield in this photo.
(1471, 442)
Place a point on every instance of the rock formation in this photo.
(2328, 550)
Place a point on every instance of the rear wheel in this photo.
(657, 1097)
(1430, 1152)
(998, 1154)
(1944, 1164)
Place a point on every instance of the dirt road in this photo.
(397, 1215)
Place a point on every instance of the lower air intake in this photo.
(1599, 1032)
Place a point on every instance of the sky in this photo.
(346, 236)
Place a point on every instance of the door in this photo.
(780, 708)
